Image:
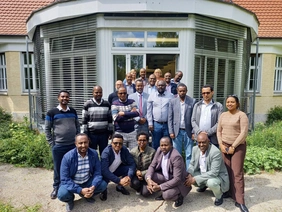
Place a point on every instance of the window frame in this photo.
(277, 88)
(252, 67)
(34, 79)
(3, 74)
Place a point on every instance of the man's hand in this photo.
(190, 180)
(151, 127)
(152, 186)
(134, 109)
(172, 136)
(121, 113)
(125, 181)
(139, 175)
(88, 192)
(110, 136)
(142, 121)
(193, 136)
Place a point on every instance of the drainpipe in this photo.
(255, 84)
(28, 81)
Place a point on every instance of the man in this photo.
(157, 113)
(179, 122)
(113, 96)
(61, 126)
(178, 76)
(143, 156)
(207, 169)
(170, 86)
(97, 120)
(124, 111)
(167, 174)
(130, 87)
(141, 99)
(118, 164)
(142, 74)
(205, 115)
(151, 86)
(80, 173)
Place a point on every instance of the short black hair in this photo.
(208, 86)
(181, 85)
(63, 91)
(81, 134)
(168, 138)
(142, 133)
(117, 136)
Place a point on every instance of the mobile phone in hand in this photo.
(227, 149)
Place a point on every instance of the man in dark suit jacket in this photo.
(179, 122)
(170, 86)
(129, 85)
(167, 174)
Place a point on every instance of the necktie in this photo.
(140, 105)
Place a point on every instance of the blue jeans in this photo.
(183, 141)
(160, 130)
(58, 152)
(66, 196)
(142, 127)
(99, 139)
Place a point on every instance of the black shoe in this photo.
(90, 200)
(104, 195)
(54, 193)
(159, 197)
(226, 195)
(202, 189)
(69, 206)
(242, 207)
(218, 202)
(179, 201)
(122, 190)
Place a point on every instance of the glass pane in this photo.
(136, 62)
(162, 39)
(119, 67)
(226, 45)
(128, 39)
(210, 71)
(220, 80)
(205, 42)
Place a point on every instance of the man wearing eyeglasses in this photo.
(206, 114)
(117, 165)
(124, 111)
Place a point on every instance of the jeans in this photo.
(58, 152)
(183, 141)
(66, 196)
(160, 130)
(142, 127)
(99, 139)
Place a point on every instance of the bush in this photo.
(25, 147)
(266, 136)
(274, 114)
(6, 119)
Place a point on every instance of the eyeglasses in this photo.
(118, 143)
(206, 93)
(122, 93)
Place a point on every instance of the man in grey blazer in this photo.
(207, 169)
(140, 98)
(167, 174)
(179, 122)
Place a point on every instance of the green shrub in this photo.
(5, 120)
(25, 147)
(258, 158)
(266, 136)
(7, 207)
(274, 114)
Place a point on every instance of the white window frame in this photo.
(33, 74)
(278, 75)
(3, 73)
(253, 67)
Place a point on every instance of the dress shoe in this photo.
(242, 207)
(159, 197)
(69, 206)
(122, 190)
(219, 201)
(179, 201)
(90, 200)
(226, 195)
(202, 189)
(104, 195)
(54, 193)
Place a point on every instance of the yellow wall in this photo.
(14, 101)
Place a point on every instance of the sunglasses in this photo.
(206, 93)
(118, 143)
(122, 93)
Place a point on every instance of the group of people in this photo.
(159, 107)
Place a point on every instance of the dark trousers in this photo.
(160, 130)
(235, 164)
(58, 152)
(98, 139)
(140, 186)
(121, 171)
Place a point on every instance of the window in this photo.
(278, 75)
(34, 78)
(3, 73)
(251, 74)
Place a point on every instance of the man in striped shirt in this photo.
(80, 173)
(97, 120)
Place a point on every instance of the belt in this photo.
(182, 128)
(161, 122)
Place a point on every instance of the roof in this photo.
(269, 14)
(14, 14)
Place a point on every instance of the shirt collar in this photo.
(97, 102)
(61, 109)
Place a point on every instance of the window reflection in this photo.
(162, 39)
(128, 39)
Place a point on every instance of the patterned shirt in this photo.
(82, 174)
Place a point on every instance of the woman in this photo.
(143, 156)
(158, 73)
(232, 131)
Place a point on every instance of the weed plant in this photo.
(274, 114)
(7, 207)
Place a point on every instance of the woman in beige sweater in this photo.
(232, 131)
